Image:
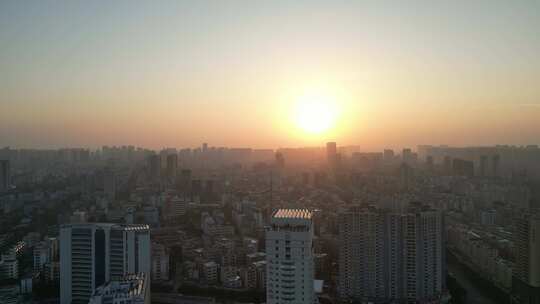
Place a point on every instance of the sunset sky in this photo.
(236, 73)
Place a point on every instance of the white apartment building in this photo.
(94, 253)
(289, 257)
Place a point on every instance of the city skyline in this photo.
(178, 73)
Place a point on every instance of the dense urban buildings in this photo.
(375, 226)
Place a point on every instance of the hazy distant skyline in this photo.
(178, 73)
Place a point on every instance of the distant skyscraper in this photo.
(429, 163)
(526, 282)
(331, 154)
(496, 159)
(184, 183)
(280, 160)
(407, 156)
(109, 184)
(92, 254)
(154, 166)
(462, 167)
(388, 155)
(447, 165)
(483, 165)
(172, 166)
(386, 256)
(405, 176)
(4, 175)
(289, 257)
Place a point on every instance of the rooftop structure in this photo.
(293, 214)
(131, 289)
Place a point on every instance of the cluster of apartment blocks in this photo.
(224, 261)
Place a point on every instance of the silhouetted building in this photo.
(447, 165)
(430, 164)
(331, 154)
(388, 155)
(483, 165)
(4, 175)
(463, 167)
(496, 159)
(109, 184)
(280, 160)
(407, 156)
(172, 166)
(154, 166)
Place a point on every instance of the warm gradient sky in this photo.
(177, 73)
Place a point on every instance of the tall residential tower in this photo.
(388, 256)
(289, 257)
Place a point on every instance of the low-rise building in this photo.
(131, 289)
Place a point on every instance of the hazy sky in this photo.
(177, 73)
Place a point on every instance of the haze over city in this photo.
(236, 73)
(269, 152)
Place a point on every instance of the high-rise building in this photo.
(280, 160)
(496, 159)
(388, 155)
(331, 154)
(407, 156)
(405, 177)
(4, 175)
(391, 256)
(92, 254)
(109, 184)
(430, 163)
(154, 166)
(447, 164)
(172, 166)
(526, 281)
(160, 263)
(483, 165)
(462, 167)
(289, 257)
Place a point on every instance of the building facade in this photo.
(289, 257)
(391, 256)
(526, 281)
(92, 254)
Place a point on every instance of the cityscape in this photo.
(278, 152)
(218, 225)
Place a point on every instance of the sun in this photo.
(315, 113)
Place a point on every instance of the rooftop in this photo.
(293, 213)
